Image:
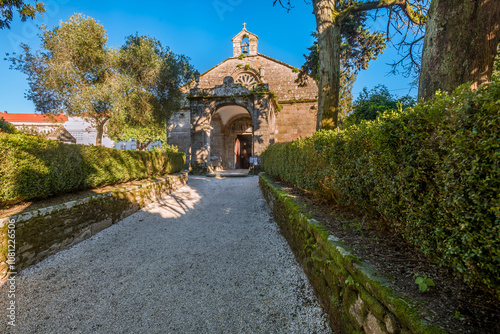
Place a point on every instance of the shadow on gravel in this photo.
(176, 204)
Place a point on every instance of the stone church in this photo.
(235, 110)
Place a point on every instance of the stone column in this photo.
(200, 133)
(253, 41)
(236, 47)
(262, 107)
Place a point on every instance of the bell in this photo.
(245, 47)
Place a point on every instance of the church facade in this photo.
(235, 110)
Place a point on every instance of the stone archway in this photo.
(219, 115)
(231, 137)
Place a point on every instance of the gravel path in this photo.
(207, 259)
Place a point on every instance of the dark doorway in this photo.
(242, 151)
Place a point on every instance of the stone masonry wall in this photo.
(355, 300)
(295, 120)
(179, 132)
(279, 76)
(46, 231)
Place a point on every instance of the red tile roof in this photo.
(33, 118)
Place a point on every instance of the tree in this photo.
(6, 127)
(460, 45)
(329, 17)
(378, 100)
(152, 76)
(25, 10)
(359, 46)
(496, 66)
(73, 73)
(347, 79)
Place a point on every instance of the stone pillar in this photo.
(200, 133)
(262, 108)
(236, 47)
(253, 41)
(179, 133)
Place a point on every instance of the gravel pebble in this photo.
(207, 259)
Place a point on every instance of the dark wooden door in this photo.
(243, 151)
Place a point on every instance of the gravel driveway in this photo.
(207, 259)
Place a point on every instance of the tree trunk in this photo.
(141, 146)
(100, 131)
(329, 64)
(460, 44)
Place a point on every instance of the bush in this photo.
(375, 102)
(6, 127)
(165, 148)
(33, 167)
(432, 172)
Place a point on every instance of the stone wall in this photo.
(191, 130)
(295, 120)
(278, 75)
(355, 300)
(179, 132)
(46, 231)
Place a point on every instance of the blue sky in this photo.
(199, 29)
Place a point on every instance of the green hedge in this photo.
(6, 127)
(33, 167)
(432, 172)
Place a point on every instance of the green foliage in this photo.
(496, 66)
(378, 100)
(423, 282)
(359, 46)
(25, 10)
(73, 72)
(166, 148)
(6, 127)
(33, 167)
(135, 88)
(458, 315)
(432, 172)
(151, 77)
(35, 131)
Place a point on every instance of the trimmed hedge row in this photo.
(432, 172)
(33, 167)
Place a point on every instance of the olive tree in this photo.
(73, 73)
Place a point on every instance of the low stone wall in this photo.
(43, 232)
(355, 300)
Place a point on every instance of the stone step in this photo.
(229, 173)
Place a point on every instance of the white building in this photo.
(35, 123)
(76, 126)
(84, 133)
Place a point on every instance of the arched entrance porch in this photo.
(226, 121)
(232, 138)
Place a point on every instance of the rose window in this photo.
(246, 80)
